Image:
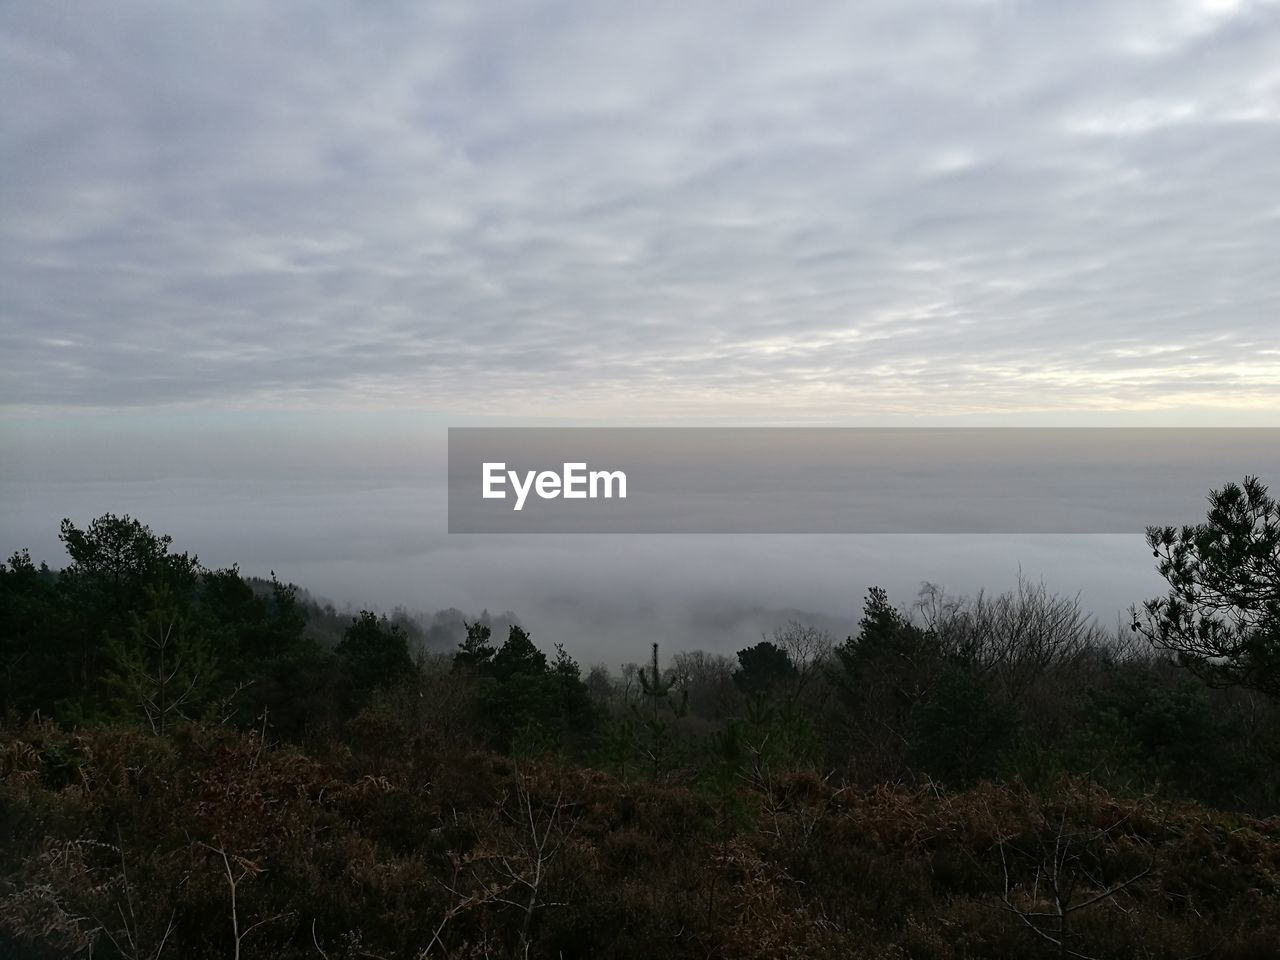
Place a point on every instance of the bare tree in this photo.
(809, 650)
(1066, 878)
(237, 869)
(1015, 638)
(601, 685)
(541, 837)
(706, 679)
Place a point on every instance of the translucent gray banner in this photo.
(844, 480)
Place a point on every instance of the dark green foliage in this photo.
(115, 562)
(1221, 616)
(523, 701)
(31, 624)
(962, 730)
(763, 668)
(374, 653)
(776, 735)
(278, 670)
(81, 644)
(650, 731)
(164, 668)
(252, 628)
(574, 703)
(1143, 727)
(890, 659)
(518, 657)
(475, 652)
(885, 674)
(1017, 686)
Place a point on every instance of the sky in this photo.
(275, 247)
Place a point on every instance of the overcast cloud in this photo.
(662, 209)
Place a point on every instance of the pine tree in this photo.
(162, 668)
(518, 656)
(654, 686)
(475, 651)
(658, 689)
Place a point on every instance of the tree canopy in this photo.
(1221, 615)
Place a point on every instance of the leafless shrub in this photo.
(1016, 638)
(237, 870)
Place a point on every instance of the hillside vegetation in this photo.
(196, 765)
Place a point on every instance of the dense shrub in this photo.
(117, 837)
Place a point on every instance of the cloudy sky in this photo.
(378, 219)
(647, 209)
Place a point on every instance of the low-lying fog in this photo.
(605, 597)
(355, 513)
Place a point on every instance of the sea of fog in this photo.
(606, 597)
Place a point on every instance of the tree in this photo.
(577, 712)
(30, 671)
(958, 734)
(655, 685)
(267, 661)
(475, 651)
(163, 668)
(1017, 639)
(706, 679)
(763, 668)
(518, 656)
(889, 655)
(253, 626)
(113, 562)
(521, 701)
(1072, 865)
(885, 674)
(1221, 616)
(116, 564)
(375, 652)
(654, 743)
(809, 650)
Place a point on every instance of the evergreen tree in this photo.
(32, 627)
(656, 742)
(518, 656)
(654, 686)
(163, 668)
(763, 668)
(1221, 616)
(116, 565)
(375, 653)
(475, 651)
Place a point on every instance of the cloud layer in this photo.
(572, 208)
